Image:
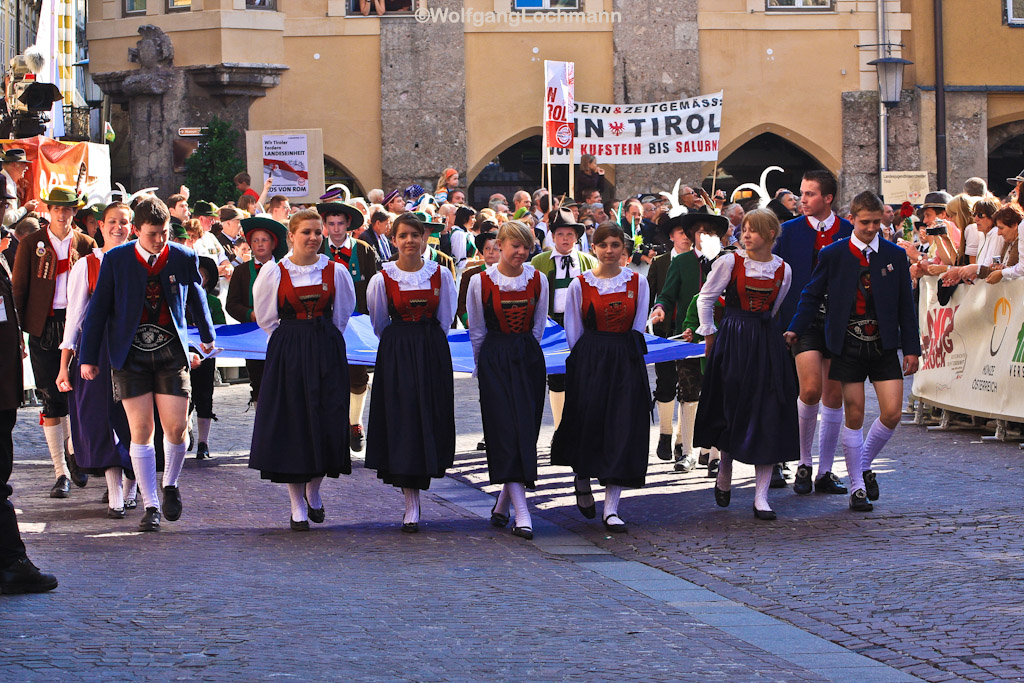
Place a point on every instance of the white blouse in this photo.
(78, 301)
(268, 281)
(611, 285)
(718, 281)
(475, 305)
(377, 295)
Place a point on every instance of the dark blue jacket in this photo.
(117, 303)
(796, 247)
(838, 273)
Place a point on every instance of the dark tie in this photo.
(822, 227)
(567, 263)
(152, 260)
(335, 250)
(867, 254)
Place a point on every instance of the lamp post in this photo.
(890, 85)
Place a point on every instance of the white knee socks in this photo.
(203, 430)
(115, 494)
(665, 410)
(313, 493)
(517, 492)
(828, 437)
(612, 493)
(412, 506)
(501, 506)
(295, 492)
(55, 443)
(174, 459)
(687, 419)
(808, 418)
(762, 480)
(130, 488)
(724, 481)
(878, 436)
(853, 445)
(144, 464)
(557, 403)
(355, 407)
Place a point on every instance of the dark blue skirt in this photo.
(511, 374)
(411, 434)
(748, 400)
(96, 417)
(606, 424)
(301, 425)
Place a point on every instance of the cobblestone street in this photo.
(925, 587)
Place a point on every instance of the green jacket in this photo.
(682, 283)
(692, 322)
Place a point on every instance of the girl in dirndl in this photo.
(304, 303)
(507, 305)
(605, 428)
(411, 435)
(99, 427)
(748, 400)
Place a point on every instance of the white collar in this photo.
(571, 254)
(57, 240)
(145, 254)
(828, 221)
(861, 245)
(346, 243)
(675, 253)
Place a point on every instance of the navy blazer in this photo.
(796, 247)
(838, 273)
(116, 305)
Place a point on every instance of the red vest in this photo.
(823, 238)
(93, 263)
(305, 303)
(509, 312)
(753, 294)
(413, 305)
(155, 310)
(609, 312)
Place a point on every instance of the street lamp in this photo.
(890, 78)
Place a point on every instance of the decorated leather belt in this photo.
(864, 330)
(151, 337)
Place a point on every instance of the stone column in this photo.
(423, 99)
(656, 58)
(860, 141)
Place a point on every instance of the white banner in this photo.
(559, 87)
(657, 133)
(972, 358)
(286, 161)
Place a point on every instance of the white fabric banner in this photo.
(559, 86)
(973, 350)
(657, 133)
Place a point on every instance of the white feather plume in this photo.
(344, 189)
(673, 200)
(760, 190)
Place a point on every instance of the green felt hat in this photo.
(276, 229)
(62, 195)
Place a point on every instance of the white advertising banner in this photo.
(656, 133)
(972, 350)
(292, 159)
(559, 85)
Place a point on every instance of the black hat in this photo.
(355, 216)
(564, 219)
(14, 154)
(208, 267)
(690, 221)
(256, 223)
(482, 239)
(205, 209)
(934, 200)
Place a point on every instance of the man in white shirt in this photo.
(208, 245)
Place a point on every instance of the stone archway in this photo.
(515, 167)
(335, 172)
(746, 163)
(1005, 155)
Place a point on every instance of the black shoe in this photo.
(829, 483)
(410, 527)
(766, 515)
(356, 438)
(130, 504)
(704, 457)
(172, 503)
(106, 497)
(871, 485)
(78, 477)
(150, 520)
(722, 497)
(523, 532)
(497, 519)
(61, 488)
(615, 528)
(712, 469)
(588, 511)
(481, 445)
(298, 526)
(317, 516)
(677, 452)
(802, 482)
(24, 577)
(859, 501)
(686, 463)
(115, 513)
(778, 479)
(665, 447)
(202, 452)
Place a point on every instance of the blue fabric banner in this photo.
(250, 342)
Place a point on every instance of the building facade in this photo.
(399, 97)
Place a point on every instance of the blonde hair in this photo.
(763, 222)
(960, 210)
(516, 231)
(300, 217)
